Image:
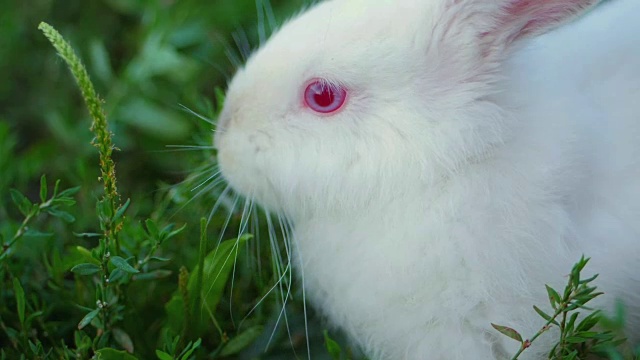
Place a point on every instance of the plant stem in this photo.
(563, 334)
(198, 300)
(103, 142)
(99, 125)
(540, 332)
(22, 229)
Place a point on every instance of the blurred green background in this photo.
(146, 59)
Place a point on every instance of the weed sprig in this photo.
(577, 339)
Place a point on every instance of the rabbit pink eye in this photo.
(324, 98)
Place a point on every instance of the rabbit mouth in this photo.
(244, 163)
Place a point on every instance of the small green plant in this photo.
(332, 346)
(118, 268)
(126, 254)
(578, 339)
(27, 312)
(52, 206)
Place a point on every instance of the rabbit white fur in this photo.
(476, 158)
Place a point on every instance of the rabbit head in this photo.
(355, 101)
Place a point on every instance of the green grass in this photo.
(90, 268)
(118, 258)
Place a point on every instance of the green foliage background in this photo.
(145, 58)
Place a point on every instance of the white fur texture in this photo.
(473, 163)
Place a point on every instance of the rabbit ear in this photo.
(523, 18)
(470, 37)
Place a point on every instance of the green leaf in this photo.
(163, 355)
(332, 347)
(12, 333)
(198, 298)
(36, 233)
(586, 281)
(161, 259)
(571, 323)
(69, 192)
(508, 332)
(43, 188)
(82, 340)
(35, 349)
(612, 354)
(82, 254)
(152, 229)
(217, 267)
(190, 349)
(55, 188)
(104, 210)
(576, 305)
(113, 354)
(65, 201)
(168, 228)
(21, 201)
(582, 263)
(87, 235)
(174, 232)
(152, 275)
(554, 297)
(121, 210)
(20, 301)
(241, 341)
(575, 272)
(101, 341)
(116, 275)
(34, 315)
(589, 322)
(575, 339)
(61, 214)
(123, 265)
(586, 292)
(123, 339)
(544, 315)
(85, 269)
(87, 318)
(572, 356)
(588, 334)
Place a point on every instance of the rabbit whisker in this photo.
(199, 116)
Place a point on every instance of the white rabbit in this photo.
(441, 160)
